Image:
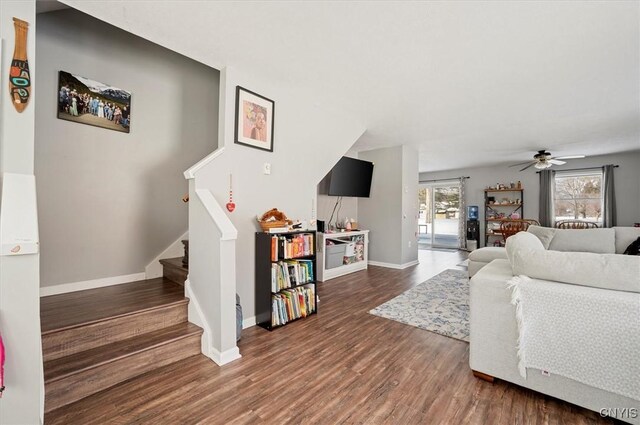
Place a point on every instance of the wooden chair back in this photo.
(511, 227)
(576, 224)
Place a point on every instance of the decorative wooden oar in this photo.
(19, 78)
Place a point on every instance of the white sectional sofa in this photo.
(604, 241)
(494, 336)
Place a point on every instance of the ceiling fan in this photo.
(543, 159)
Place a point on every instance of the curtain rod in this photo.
(443, 180)
(580, 169)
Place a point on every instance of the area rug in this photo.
(440, 305)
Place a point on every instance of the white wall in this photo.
(626, 177)
(298, 163)
(109, 201)
(23, 400)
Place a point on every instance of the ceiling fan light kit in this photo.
(543, 160)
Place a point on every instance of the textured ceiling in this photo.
(467, 83)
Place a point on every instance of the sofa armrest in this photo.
(483, 256)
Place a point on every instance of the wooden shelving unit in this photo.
(269, 263)
(496, 208)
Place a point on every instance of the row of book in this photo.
(291, 246)
(290, 273)
(292, 304)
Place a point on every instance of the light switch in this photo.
(267, 168)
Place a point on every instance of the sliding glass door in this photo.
(439, 215)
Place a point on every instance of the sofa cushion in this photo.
(608, 271)
(488, 254)
(600, 241)
(523, 240)
(625, 236)
(545, 234)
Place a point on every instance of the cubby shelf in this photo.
(265, 264)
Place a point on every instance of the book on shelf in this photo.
(291, 246)
(291, 304)
(290, 273)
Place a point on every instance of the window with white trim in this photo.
(578, 195)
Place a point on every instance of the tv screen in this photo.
(351, 177)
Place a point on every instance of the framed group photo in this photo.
(254, 120)
(91, 102)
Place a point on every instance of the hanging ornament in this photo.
(1, 367)
(231, 205)
(19, 78)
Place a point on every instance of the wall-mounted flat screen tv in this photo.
(351, 177)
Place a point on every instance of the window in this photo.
(578, 196)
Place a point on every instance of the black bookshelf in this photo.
(263, 276)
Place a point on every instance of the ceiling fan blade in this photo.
(521, 163)
(530, 165)
(556, 162)
(570, 157)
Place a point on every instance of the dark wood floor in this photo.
(340, 366)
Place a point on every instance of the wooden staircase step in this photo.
(58, 312)
(112, 329)
(70, 378)
(174, 270)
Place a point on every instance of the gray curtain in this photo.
(546, 214)
(462, 216)
(609, 197)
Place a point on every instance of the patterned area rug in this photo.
(440, 305)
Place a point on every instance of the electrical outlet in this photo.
(266, 168)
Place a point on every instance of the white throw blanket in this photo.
(590, 335)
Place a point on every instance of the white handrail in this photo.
(217, 214)
(191, 172)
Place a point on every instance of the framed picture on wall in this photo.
(87, 101)
(254, 120)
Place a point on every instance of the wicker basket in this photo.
(281, 219)
(266, 225)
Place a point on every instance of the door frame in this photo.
(433, 186)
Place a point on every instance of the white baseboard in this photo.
(394, 266)
(226, 356)
(90, 284)
(248, 322)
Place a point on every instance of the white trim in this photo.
(19, 215)
(226, 356)
(191, 172)
(248, 322)
(195, 316)
(217, 214)
(394, 266)
(90, 284)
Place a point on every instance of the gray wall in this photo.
(381, 213)
(109, 202)
(409, 204)
(627, 178)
